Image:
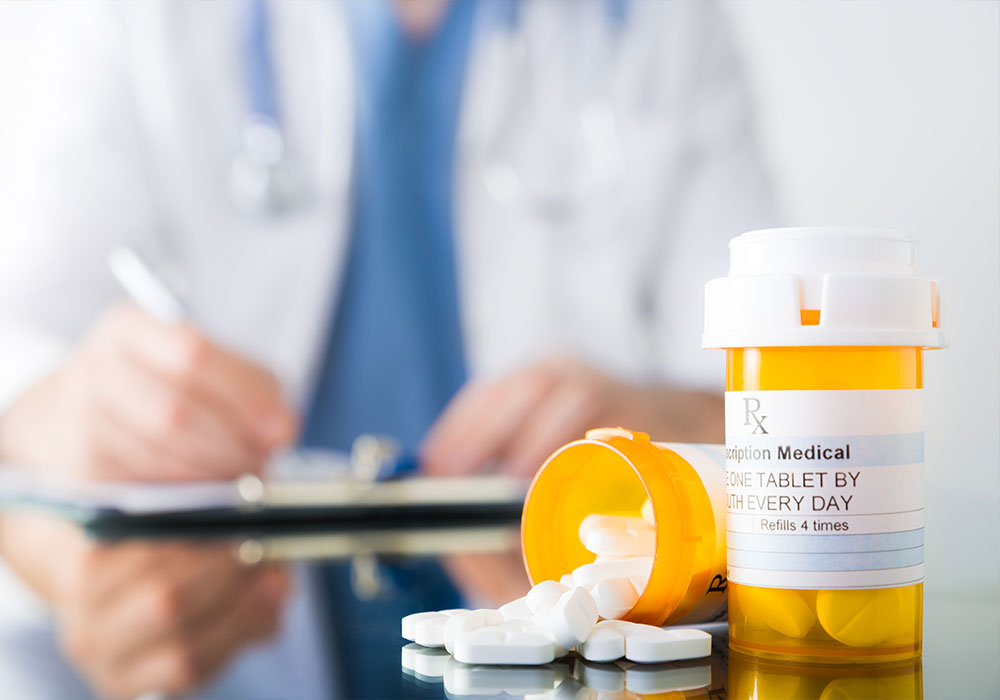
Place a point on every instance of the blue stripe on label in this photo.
(768, 543)
(845, 561)
(865, 450)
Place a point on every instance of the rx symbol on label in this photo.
(752, 406)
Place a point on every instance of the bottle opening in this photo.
(624, 478)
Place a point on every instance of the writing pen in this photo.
(144, 286)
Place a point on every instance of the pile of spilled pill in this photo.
(579, 612)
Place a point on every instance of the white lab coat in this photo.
(134, 115)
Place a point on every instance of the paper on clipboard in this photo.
(32, 488)
(323, 484)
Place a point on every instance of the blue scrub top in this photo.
(394, 356)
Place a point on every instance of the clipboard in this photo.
(286, 498)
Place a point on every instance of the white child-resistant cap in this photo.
(862, 281)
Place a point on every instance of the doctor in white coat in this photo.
(602, 155)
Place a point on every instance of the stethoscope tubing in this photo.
(258, 65)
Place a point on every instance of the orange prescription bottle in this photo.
(824, 330)
(616, 472)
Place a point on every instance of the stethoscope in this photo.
(264, 181)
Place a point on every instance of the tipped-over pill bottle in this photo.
(677, 489)
(824, 330)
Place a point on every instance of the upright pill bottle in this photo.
(614, 471)
(824, 330)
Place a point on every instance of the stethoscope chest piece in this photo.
(261, 180)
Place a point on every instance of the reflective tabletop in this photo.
(339, 631)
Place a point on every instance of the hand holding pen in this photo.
(146, 396)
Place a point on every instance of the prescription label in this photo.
(825, 489)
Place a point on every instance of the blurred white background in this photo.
(888, 114)
(879, 113)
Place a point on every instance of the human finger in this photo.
(481, 421)
(179, 423)
(563, 415)
(115, 452)
(184, 356)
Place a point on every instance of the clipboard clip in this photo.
(373, 459)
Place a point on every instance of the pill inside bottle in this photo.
(640, 524)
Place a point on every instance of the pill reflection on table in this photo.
(426, 663)
(470, 679)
